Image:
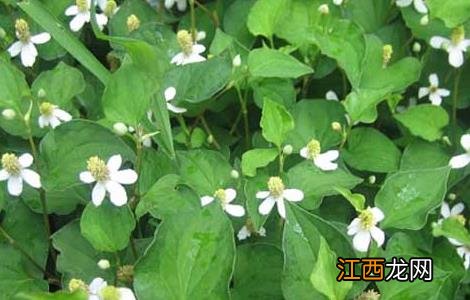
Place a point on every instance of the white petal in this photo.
(181, 4)
(41, 38)
(126, 294)
(62, 114)
(15, 48)
(42, 122)
(169, 3)
(304, 152)
(28, 54)
(361, 241)
(230, 195)
(206, 200)
(420, 6)
(262, 194)
(293, 195)
(175, 109)
(114, 163)
(193, 58)
(266, 206)
(235, 210)
(438, 42)
(445, 210)
(102, 4)
(178, 59)
(434, 80)
(455, 57)
(262, 231)
(4, 175)
(15, 185)
(459, 161)
(32, 178)
(354, 227)
(337, 2)
(71, 10)
(124, 176)
(86, 177)
(54, 121)
(464, 45)
(118, 195)
(97, 285)
(323, 162)
(435, 99)
(466, 262)
(281, 208)
(403, 3)
(457, 209)
(377, 213)
(465, 141)
(331, 95)
(423, 92)
(243, 234)
(98, 193)
(198, 48)
(170, 93)
(443, 92)
(79, 20)
(147, 142)
(25, 160)
(101, 20)
(378, 235)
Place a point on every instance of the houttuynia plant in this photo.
(234, 149)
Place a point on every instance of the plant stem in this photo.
(193, 20)
(209, 131)
(281, 162)
(455, 99)
(245, 116)
(214, 18)
(186, 131)
(138, 166)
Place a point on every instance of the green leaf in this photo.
(127, 96)
(324, 274)
(371, 15)
(357, 200)
(257, 158)
(264, 16)
(452, 228)
(60, 295)
(407, 197)
(107, 227)
(204, 170)
(452, 12)
(264, 62)
(370, 150)
(235, 21)
(36, 10)
(78, 259)
(313, 120)
(195, 83)
(279, 90)
(14, 87)
(168, 272)
(258, 272)
(421, 154)
(165, 198)
(60, 84)
(317, 184)
(276, 122)
(426, 121)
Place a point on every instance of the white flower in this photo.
(108, 7)
(146, 139)
(462, 160)
(190, 51)
(109, 179)
(324, 161)
(331, 95)
(170, 94)
(26, 42)
(464, 253)
(455, 46)
(434, 92)
(100, 290)
(276, 195)
(82, 15)
(180, 4)
(225, 197)
(324, 9)
(338, 2)
(15, 170)
(237, 61)
(419, 5)
(454, 212)
(52, 115)
(120, 128)
(246, 232)
(364, 229)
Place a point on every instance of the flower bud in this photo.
(372, 179)
(369, 295)
(324, 9)
(200, 35)
(336, 126)
(9, 114)
(424, 20)
(234, 174)
(133, 23)
(104, 264)
(446, 140)
(237, 61)
(120, 128)
(416, 47)
(452, 196)
(42, 93)
(210, 139)
(287, 150)
(125, 273)
(387, 52)
(77, 285)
